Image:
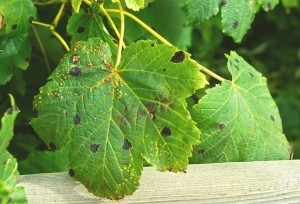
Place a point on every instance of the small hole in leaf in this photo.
(14, 26)
(235, 24)
(251, 75)
(223, 2)
(126, 145)
(201, 151)
(75, 71)
(30, 19)
(80, 29)
(71, 172)
(164, 70)
(76, 119)
(166, 131)
(9, 111)
(152, 44)
(178, 57)
(221, 126)
(74, 59)
(272, 118)
(94, 148)
(35, 113)
(52, 146)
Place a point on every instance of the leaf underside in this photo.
(239, 120)
(116, 117)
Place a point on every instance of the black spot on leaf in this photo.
(272, 118)
(166, 131)
(52, 146)
(126, 145)
(94, 148)
(75, 71)
(76, 119)
(14, 26)
(164, 70)
(201, 151)
(30, 19)
(223, 2)
(221, 126)
(152, 44)
(235, 24)
(74, 59)
(71, 172)
(80, 29)
(35, 113)
(178, 57)
(251, 75)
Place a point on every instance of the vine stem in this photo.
(163, 40)
(121, 38)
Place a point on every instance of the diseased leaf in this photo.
(237, 17)
(83, 26)
(14, 52)
(116, 117)
(200, 10)
(17, 16)
(239, 120)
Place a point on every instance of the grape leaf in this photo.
(76, 5)
(17, 16)
(83, 26)
(14, 52)
(135, 4)
(239, 120)
(200, 10)
(116, 117)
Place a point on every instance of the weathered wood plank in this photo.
(248, 182)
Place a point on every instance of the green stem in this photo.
(61, 40)
(58, 15)
(121, 38)
(39, 41)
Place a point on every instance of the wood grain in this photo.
(247, 182)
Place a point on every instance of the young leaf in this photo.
(17, 16)
(200, 10)
(15, 52)
(115, 117)
(239, 120)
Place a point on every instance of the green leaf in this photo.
(268, 5)
(53, 161)
(83, 26)
(76, 5)
(237, 17)
(200, 10)
(17, 16)
(239, 120)
(135, 4)
(290, 3)
(7, 125)
(14, 52)
(116, 117)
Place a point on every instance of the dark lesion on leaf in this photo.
(223, 2)
(251, 75)
(52, 146)
(80, 29)
(166, 131)
(94, 148)
(76, 119)
(71, 172)
(74, 59)
(164, 69)
(221, 126)
(201, 151)
(235, 24)
(272, 117)
(14, 26)
(152, 44)
(126, 145)
(178, 57)
(75, 71)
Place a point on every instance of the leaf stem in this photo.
(121, 38)
(58, 15)
(39, 41)
(210, 73)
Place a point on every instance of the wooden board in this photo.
(248, 182)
